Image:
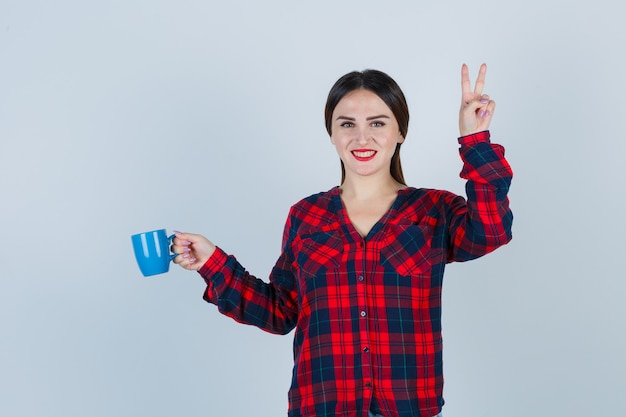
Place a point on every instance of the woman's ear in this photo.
(400, 138)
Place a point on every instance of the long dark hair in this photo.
(384, 87)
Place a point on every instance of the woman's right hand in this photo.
(193, 250)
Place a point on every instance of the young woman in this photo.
(361, 268)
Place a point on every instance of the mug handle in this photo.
(169, 244)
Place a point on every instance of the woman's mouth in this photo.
(363, 155)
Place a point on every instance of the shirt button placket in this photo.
(366, 362)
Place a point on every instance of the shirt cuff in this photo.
(214, 264)
(475, 138)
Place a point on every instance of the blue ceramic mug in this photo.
(152, 252)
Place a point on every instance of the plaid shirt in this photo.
(367, 312)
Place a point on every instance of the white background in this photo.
(118, 117)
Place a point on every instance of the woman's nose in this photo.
(363, 136)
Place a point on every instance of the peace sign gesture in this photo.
(476, 108)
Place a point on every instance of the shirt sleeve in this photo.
(483, 222)
(237, 294)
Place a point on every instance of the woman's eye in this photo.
(377, 124)
(347, 124)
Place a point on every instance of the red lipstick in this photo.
(363, 155)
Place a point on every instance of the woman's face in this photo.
(365, 133)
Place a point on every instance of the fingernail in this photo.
(192, 260)
(487, 113)
(484, 100)
(481, 113)
(186, 255)
(186, 250)
(186, 243)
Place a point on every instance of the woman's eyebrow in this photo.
(352, 119)
(380, 116)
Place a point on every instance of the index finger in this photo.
(466, 86)
(480, 81)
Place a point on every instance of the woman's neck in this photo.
(369, 188)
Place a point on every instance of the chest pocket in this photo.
(407, 249)
(319, 253)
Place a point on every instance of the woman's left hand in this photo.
(476, 108)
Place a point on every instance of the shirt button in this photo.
(368, 385)
(366, 349)
(363, 314)
(361, 278)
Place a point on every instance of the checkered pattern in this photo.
(367, 312)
